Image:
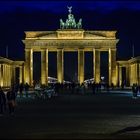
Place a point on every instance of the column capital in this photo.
(60, 48)
(29, 49)
(112, 49)
(43, 49)
(81, 48)
(96, 49)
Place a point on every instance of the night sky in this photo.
(19, 16)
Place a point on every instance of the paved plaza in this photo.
(107, 115)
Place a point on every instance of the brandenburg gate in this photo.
(70, 37)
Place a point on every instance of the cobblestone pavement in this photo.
(113, 115)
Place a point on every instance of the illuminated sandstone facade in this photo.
(7, 71)
(8, 74)
(70, 37)
(132, 67)
(64, 40)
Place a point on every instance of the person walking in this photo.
(26, 89)
(21, 89)
(93, 87)
(135, 91)
(82, 88)
(11, 98)
(2, 102)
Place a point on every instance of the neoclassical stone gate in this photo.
(71, 37)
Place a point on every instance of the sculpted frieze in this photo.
(72, 44)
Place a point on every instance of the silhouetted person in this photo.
(99, 86)
(16, 87)
(135, 90)
(112, 86)
(11, 97)
(26, 89)
(93, 88)
(77, 88)
(139, 88)
(2, 101)
(107, 87)
(82, 88)
(122, 85)
(21, 89)
(73, 87)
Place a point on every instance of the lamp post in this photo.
(6, 51)
(133, 52)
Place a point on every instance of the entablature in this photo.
(123, 63)
(70, 34)
(134, 60)
(72, 43)
(4, 60)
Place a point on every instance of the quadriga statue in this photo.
(62, 24)
(79, 24)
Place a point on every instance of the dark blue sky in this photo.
(18, 16)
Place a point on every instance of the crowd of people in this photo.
(8, 100)
(76, 88)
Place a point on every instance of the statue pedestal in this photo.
(70, 33)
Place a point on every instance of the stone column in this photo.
(96, 62)
(138, 75)
(8, 71)
(13, 74)
(6, 76)
(120, 75)
(127, 76)
(20, 74)
(112, 67)
(80, 66)
(117, 74)
(136, 72)
(23, 73)
(28, 66)
(44, 66)
(9, 77)
(1, 75)
(133, 74)
(4, 80)
(60, 69)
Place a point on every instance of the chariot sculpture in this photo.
(70, 23)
